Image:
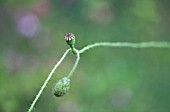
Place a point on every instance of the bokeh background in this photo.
(107, 79)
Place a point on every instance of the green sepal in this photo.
(71, 42)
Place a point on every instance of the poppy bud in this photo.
(62, 87)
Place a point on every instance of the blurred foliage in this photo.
(107, 79)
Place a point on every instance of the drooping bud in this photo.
(62, 87)
(70, 39)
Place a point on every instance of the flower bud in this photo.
(70, 39)
(62, 87)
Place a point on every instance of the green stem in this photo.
(104, 44)
(128, 44)
(73, 49)
(76, 63)
(46, 81)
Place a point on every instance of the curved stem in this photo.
(76, 63)
(46, 81)
(128, 44)
(104, 44)
(73, 49)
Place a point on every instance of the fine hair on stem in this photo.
(101, 44)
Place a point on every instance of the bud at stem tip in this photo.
(62, 87)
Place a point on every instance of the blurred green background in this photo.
(107, 79)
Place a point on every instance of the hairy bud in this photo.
(62, 87)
